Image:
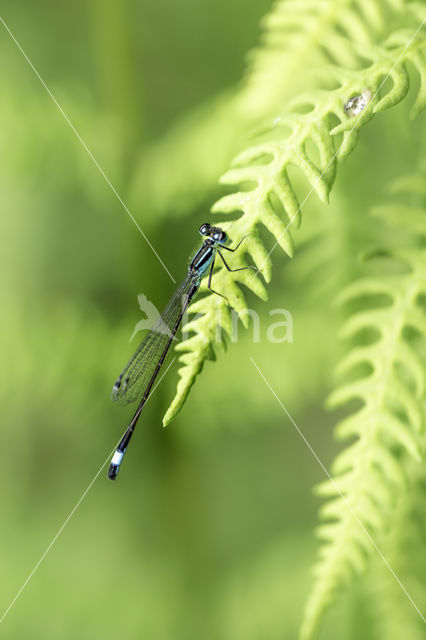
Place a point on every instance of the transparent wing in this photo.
(132, 382)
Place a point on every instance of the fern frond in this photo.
(266, 188)
(181, 170)
(388, 379)
(403, 546)
(298, 36)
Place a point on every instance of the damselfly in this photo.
(138, 377)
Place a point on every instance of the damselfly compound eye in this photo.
(204, 229)
(356, 104)
(217, 234)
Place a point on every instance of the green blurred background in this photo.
(208, 532)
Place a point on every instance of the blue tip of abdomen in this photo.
(114, 467)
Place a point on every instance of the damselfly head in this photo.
(215, 233)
